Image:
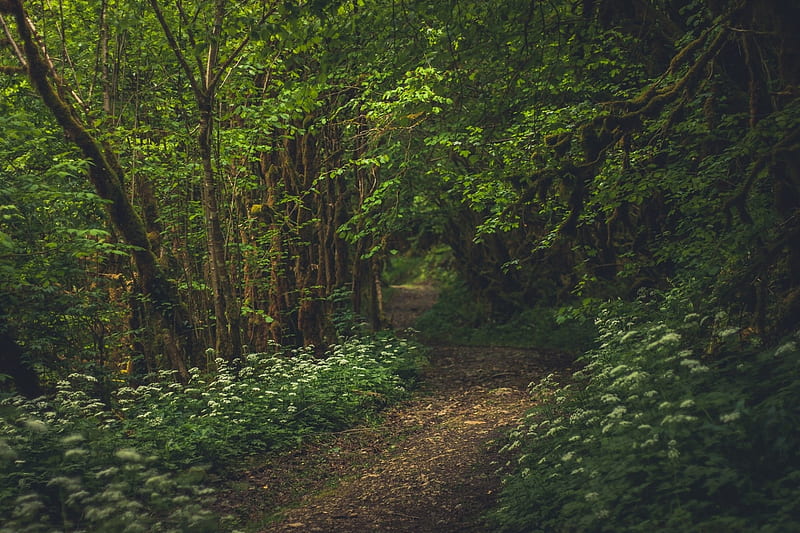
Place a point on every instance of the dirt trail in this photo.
(431, 466)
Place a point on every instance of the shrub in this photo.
(272, 401)
(655, 434)
(457, 319)
(66, 464)
(71, 463)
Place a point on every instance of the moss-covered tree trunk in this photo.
(278, 293)
(107, 177)
(301, 213)
(368, 256)
(299, 164)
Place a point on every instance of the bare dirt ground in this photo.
(431, 465)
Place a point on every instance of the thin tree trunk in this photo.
(103, 60)
(228, 334)
(205, 84)
(228, 331)
(277, 307)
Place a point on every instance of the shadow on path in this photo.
(432, 465)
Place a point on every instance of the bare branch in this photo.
(188, 22)
(13, 43)
(173, 44)
(235, 54)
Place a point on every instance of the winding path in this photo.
(431, 466)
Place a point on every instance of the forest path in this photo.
(430, 466)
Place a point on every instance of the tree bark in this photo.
(228, 337)
(107, 177)
(228, 323)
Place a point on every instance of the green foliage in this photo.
(434, 265)
(345, 320)
(656, 434)
(67, 464)
(75, 464)
(54, 245)
(457, 318)
(537, 148)
(271, 401)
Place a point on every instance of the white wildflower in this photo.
(618, 412)
(128, 454)
(75, 438)
(74, 453)
(36, 426)
(782, 350)
(667, 339)
(730, 417)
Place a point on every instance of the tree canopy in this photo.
(259, 158)
(186, 182)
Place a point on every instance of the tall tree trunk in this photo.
(277, 294)
(304, 248)
(107, 178)
(228, 323)
(311, 314)
(366, 261)
(105, 80)
(205, 84)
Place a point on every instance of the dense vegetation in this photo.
(141, 461)
(190, 188)
(653, 434)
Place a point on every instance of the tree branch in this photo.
(106, 176)
(173, 44)
(17, 50)
(212, 82)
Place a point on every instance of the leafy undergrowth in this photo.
(662, 431)
(457, 319)
(72, 463)
(429, 465)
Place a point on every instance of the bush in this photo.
(271, 402)
(71, 463)
(67, 464)
(457, 319)
(656, 434)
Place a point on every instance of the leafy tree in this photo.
(60, 286)
(106, 175)
(562, 157)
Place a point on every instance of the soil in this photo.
(431, 464)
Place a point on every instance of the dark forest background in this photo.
(197, 193)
